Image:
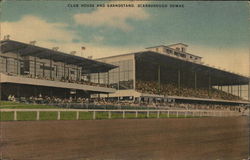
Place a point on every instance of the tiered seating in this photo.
(172, 90)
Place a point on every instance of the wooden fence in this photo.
(157, 113)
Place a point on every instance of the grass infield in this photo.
(71, 115)
(15, 105)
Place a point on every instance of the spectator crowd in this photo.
(152, 87)
(65, 79)
(124, 104)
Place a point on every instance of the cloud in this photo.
(51, 34)
(232, 59)
(97, 38)
(30, 28)
(115, 17)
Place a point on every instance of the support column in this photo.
(64, 69)
(195, 80)
(248, 90)
(159, 76)
(17, 64)
(179, 81)
(209, 85)
(50, 67)
(6, 65)
(0, 91)
(240, 91)
(43, 70)
(134, 72)
(118, 83)
(35, 67)
(108, 79)
(77, 74)
(228, 89)
(98, 75)
(68, 73)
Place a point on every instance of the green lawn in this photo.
(8, 103)
(48, 115)
(85, 115)
(102, 115)
(6, 116)
(26, 116)
(70, 115)
(15, 105)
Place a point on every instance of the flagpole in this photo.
(82, 48)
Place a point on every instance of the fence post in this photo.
(136, 114)
(37, 115)
(123, 114)
(15, 116)
(93, 114)
(109, 114)
(77, 115)
(185, 114)
(177, 114)
(158, 114)
(147, 114)
(58, 115)
(168, 114)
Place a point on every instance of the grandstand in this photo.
(171, 74)
(161, 76)
(28, 71)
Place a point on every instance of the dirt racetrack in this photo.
(149, 139)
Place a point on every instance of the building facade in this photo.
(37, 70)
(171, 66)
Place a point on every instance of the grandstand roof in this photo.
(169, 47)
(219, 76)
(90, 66)
(177, 44)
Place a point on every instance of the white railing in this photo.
(167, 113)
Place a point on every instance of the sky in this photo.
(216, 31)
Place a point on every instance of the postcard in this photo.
(124, 79)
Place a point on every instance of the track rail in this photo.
(168, 113)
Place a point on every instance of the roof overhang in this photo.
(219, 76)
(23, 49)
